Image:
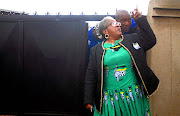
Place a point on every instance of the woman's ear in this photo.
(104, 31)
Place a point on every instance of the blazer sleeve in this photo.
(90, 80)
(146, 34)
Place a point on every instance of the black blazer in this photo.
(94, 73)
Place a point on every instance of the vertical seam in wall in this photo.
(171, 39)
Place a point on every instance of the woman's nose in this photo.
(118, 26)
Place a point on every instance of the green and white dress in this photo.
(123, 94)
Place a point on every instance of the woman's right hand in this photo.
(89, 106)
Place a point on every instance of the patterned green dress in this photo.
(123, 95)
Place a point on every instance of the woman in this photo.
(118, 80)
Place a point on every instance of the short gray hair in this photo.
(103, 24)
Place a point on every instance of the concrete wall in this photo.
(164, 58)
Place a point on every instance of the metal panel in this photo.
(11, 65)
(54, 56)
(42, 64)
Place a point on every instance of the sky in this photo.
(76, 7)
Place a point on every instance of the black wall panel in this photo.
(42, 65)
(11, 66)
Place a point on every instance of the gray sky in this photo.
(76, 7)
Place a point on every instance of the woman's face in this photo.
(113, 29)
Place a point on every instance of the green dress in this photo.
(123, 94)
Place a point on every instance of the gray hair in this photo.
(103, 24)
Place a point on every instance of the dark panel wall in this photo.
(42, 65)
(11, 70)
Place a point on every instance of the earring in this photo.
(106, 36)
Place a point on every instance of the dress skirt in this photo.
(127, 101)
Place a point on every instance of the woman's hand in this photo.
(89, 107)
(136, 14)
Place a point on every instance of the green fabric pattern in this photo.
(123, 94)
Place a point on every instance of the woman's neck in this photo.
(112, 41)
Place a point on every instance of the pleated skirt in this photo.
(126, 101)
